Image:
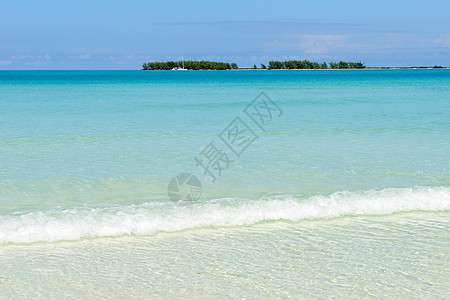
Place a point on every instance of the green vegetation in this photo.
(190, 65)
(286, 65)
(306, 64)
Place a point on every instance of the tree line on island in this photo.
(306, 64)
(273, 65)
(190, 65)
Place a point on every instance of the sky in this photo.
(110, 35)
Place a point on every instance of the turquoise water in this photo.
(352, 157)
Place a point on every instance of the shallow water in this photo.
(344, 192)
(396, 256)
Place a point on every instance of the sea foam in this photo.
(149, 218)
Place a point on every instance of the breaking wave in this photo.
(149, 218)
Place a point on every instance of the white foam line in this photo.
(149, 218)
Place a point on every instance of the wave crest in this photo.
(149, 218)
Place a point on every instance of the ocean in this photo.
(225, 184)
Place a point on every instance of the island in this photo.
(189, 65)
(272, 65)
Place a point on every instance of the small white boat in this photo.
(180, 68)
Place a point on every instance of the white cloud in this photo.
(319, 44)
(310, 43)
(5, 62)
(130, 59)
(29, 60)
(277, 45)
(291, 57)
(332, 45)
(402, 40)
(20, 57)
(36, 63)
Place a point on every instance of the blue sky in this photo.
(100, 34)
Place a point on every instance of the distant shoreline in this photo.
(366, 68)
(272, 65)
(410, 68)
